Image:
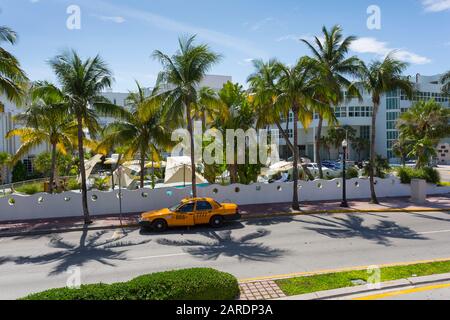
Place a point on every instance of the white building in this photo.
(358, 115)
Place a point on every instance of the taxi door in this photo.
(203, 212)
(185, 215)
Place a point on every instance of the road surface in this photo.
(252, 249)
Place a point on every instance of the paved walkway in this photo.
(437, 203)
(260, 290)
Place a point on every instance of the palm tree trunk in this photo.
(87, 219)
(153, 172)
(142, 173)
(295, 202)
(373, 194)
(53, 169)
(318, 146)
(191, 137)
(285, 136)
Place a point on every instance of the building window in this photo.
(364, 132)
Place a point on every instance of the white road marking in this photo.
(160, 256)
(432, 232)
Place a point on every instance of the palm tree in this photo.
(336, 135)
(297, 90)
(378, 78)
(425, 119)
(360, 145)
(332, 66)
(207, 106)
(236, 114)
(425, 123)
(82, 83)
(139, 130)
(263, 92)
(45, 121)
(402, 148)
(12, 77)
(446, 83)
(179, 80)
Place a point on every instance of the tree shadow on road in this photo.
(222, 243)
(269, 221)
(352, 227)
(90, 248)
(432, 216)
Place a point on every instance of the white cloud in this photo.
(117, 19)
(372, 45)
(258, 25)
(436, 5)
(165, 23)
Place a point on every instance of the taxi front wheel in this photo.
(216, 221)
(159, 225)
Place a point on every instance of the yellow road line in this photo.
(311, 273)
(403, 292)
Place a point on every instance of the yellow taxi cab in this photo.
(191, 212)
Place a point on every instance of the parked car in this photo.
(190, 212)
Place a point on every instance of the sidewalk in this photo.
(33, 227)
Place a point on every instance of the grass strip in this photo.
(330, 281)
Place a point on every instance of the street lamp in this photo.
(344, 203)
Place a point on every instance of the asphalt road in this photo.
(252, 249)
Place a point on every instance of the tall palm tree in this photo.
(378, 78)
(45, 121)
(330, 60)
(179, 82)
(263, 92)
(236, 114)
(12, 78)
(446, 83)
(139, 130)
(82, 83)
(297, 88)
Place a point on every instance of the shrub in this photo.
(431, 175)
(350, 173)
(31, 188)
(189, 284)
(73, 184)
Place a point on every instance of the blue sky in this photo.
(125, 33)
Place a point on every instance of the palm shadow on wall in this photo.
(222, 243)
(90, 248)
(352, 227)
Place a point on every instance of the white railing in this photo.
(68, 204)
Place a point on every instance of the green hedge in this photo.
(431, 175)
(189, 284)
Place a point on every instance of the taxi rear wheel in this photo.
(216, 221)
(159, 225)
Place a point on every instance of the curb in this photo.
(251, 217)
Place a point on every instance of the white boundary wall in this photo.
(68, 204)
